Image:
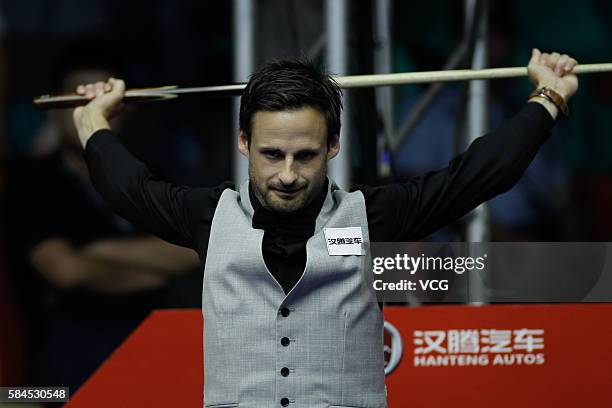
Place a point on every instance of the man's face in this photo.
(287, 157)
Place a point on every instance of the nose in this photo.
(288, 175)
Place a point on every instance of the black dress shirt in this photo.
(491, 165)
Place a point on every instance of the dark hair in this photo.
(291, 84)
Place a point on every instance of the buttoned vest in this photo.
(319, 346)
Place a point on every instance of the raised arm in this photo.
(490, 166)
(174, 213)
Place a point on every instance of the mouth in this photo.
(287, 193)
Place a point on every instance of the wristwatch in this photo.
(553, 97)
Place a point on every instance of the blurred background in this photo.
(66, 300)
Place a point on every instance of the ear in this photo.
(243, 143)
(334, 147)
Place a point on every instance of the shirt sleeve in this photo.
(172, 212)
(491, 165)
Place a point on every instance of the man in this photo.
(286, 323)
(84, 277)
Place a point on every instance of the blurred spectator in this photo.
(533, 208)
(185, 42)
(529, 211)
(84, 276)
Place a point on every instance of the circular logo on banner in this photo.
(393, 348)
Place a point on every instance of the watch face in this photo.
(553, 97)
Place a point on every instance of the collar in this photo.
(265, 219)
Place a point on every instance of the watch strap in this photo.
(553, 96)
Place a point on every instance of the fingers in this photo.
(553, 58)
(535, 56)
(560, 64)
(99, 88)
(571, 63)
(90, 91)
(564, 65)
(550, 60)
(118, 85)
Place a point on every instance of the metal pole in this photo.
(337, 63)
(244, 63)
(477, 117)
(477, 229)
(384, 94)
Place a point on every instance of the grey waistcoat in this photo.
(327, 351)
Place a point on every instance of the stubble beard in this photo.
(274, 203)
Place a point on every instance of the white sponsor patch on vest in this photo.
(344, 241)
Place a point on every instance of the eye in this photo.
(303, 156)
(272, 154)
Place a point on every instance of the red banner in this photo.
(502, 356)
